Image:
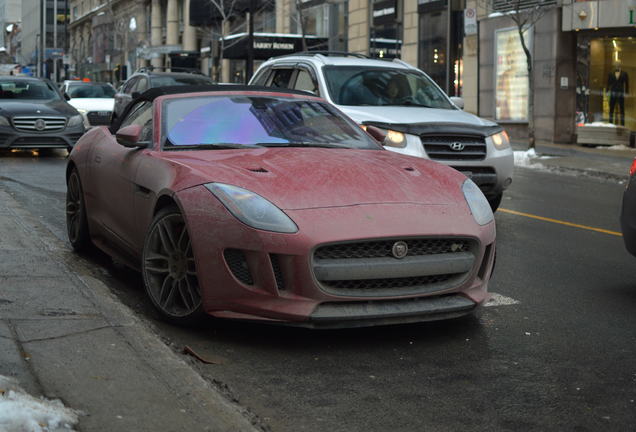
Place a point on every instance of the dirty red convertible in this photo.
(253, 204)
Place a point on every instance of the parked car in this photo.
(243, 202)
(628, 212)
(147, 78)
(94, 100)
(414, 114)
(35, 115)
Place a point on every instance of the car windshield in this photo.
(257, 121)
(91, 91)
(374, 86)
(167, 80)
(20, 89)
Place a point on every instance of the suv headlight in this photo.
(76, 120)
(252, 209)
(389, 138)
(479, 206)
(500, 140)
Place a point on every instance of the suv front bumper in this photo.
(12, 138)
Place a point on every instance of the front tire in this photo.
(76, 221)
(168, 269)
(495, 201)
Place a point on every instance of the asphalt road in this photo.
(561, 357)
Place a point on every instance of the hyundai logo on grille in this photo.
(400, 249)
(39, 124)
(456, 146)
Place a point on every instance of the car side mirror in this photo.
(128, 136)
(458, 101)
(66, 96)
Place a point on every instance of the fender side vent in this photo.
(237, 263)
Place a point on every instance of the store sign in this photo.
(511, 92)
(470, 21)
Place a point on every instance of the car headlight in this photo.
(501, 140)
(479, 206)
(4, 121)
(252, 209)
(389, 138)
(76, 120)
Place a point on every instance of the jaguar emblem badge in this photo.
(456, 146)
(400, 249)
(40, 124)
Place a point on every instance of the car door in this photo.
(113, 173)
(123, 97)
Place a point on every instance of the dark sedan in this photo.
(628, 212)
(34, 115)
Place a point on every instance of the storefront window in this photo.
(511, 71)
(605, 67)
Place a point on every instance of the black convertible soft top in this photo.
(153, 93)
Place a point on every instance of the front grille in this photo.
(382, 248)
(98, 118)
(43, 141)
(467, 147)
(39, 124)
(237, 263)
(369, 268)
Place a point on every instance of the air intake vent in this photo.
(258, 170)
(237, 263)
(278, 274)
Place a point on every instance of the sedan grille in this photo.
(371, 268)
(39, 124)
(454, 147)
(99, 118)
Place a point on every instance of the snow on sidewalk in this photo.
(21, 412)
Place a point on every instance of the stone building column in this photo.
(189, 32)
(155, 31)
(410, 37)
(172, 23)
(358, 33)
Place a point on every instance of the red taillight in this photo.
(632, 169)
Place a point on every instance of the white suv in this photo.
(402, 107)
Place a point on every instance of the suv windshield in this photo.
(22, 89)
(363, 85)
(258, 121)
(91, 91)
(167, 80)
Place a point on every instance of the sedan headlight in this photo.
(76, 120)
(4, 121)
(479, 206)
(501, 140)
(252, 209)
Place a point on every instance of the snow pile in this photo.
(617, 147)
(527, 159)
(21, 412)
(599, 124)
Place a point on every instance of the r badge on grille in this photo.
(39, 124)
(456, 146)
(400, 249)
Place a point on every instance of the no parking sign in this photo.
(470, 21)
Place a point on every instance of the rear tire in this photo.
(76, 221)
(168, 269)
(495, 201)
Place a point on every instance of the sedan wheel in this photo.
(168, 268)
(76, 224)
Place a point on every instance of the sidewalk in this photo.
(64, 336)
(605, 162)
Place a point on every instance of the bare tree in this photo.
(227, 10)
(302, 23)
(525, 15)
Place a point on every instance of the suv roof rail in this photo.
(326, 53)
(146, 69)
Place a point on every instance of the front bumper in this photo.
(274, 277)
(12, 138)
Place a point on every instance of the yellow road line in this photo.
(528, 215)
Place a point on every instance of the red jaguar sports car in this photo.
(256, 204)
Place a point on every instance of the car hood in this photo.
(93, 104)
(10, 108)
(393, 114)
(303, 178)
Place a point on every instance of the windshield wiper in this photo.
(219, 146)
(301, 144)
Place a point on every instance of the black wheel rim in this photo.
(168, 266)
(73, 208)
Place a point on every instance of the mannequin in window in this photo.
(618, 88)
